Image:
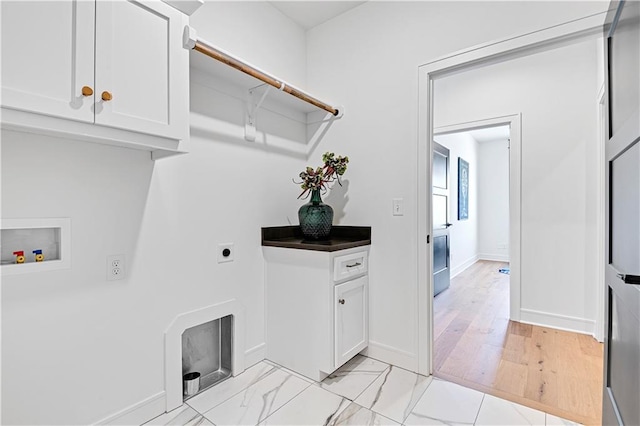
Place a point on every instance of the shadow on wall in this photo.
(338, 198)
(221, 117)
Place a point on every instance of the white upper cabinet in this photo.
(118, 66)
(47, 57)
(135, 47)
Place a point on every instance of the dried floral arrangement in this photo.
(332, 169)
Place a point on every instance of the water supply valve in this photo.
(19, 256)
(38, 255)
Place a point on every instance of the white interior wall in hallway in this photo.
(493, 200)
(368, 59)
(555, 91)
(463, 235)
(77, 348)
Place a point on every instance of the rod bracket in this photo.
(252, 110)
(189, 37)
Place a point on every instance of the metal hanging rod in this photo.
(191, 41)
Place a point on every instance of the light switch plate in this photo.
(398, 206)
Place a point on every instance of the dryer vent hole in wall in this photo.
(206, 355)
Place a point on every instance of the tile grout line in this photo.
(288, 402)
(431, 379)
(369, 385)
(310, 384)
(264, 376)
(343, 398)
(479, 408)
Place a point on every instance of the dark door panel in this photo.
(621, 393)
(440, 206)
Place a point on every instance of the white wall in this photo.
(463, 235)
(257, 32)
(368, 59)
(555, 91)
(72, 342)
(493, 200)
(76, 348)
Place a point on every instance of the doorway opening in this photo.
(490, 228)
(471, 217)
(546, 386)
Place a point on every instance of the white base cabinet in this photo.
(316, 308)
(350, 319)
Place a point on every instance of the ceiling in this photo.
(490, 134)
(309, 14)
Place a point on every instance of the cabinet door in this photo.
(47, 57)
(351, 319)
(141, 63)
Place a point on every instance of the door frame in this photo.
(600, 214)
(514, 121)
(492, 52)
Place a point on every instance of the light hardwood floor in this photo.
(476, 345)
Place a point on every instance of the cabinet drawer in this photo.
(350, 265)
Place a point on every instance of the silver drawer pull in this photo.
(354, 265)
(341, 301)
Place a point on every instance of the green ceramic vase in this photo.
(315, 218)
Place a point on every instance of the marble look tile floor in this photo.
(364, 391)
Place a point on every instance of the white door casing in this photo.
(590, 26)
(600, 216)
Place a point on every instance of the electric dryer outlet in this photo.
(226, 252)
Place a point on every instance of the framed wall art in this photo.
(463, 189)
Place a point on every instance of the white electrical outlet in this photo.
(226, 252)
(115, 267)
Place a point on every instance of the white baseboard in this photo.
(393, 356)
(494, 257)
(138, 413)
(255, 354)
(460, 268)
(561, 322)
(155, 405)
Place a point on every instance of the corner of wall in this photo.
(391, 355)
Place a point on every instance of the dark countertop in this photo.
(341, 237)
